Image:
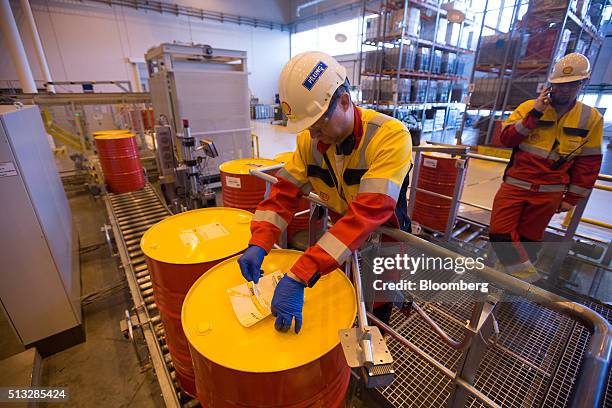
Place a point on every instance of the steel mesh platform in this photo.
(534, 363)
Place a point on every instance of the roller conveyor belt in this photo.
(131, 215)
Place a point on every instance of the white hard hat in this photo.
(572, 67)
(306, 86)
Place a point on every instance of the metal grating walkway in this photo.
(534, 363)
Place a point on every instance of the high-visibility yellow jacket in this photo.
(374, 163)
(540, 139)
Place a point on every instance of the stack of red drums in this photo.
(437, 173)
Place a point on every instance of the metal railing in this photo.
(590, 385)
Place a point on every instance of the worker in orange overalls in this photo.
(556, 159)
(356, 160)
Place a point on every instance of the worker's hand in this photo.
(287, 303)
(564, 207)
(250, 263)
(543, 100)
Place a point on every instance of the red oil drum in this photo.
(438, 173)
(257, 366)
(299, 223)
(179, 250)
(120, 162)
(240, 189)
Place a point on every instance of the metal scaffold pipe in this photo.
(15, 46)
(40, 52)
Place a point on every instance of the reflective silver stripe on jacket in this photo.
(271, 217)
(590, 151)
(585, 114)
(305, 187)
(522, 129)
(581, 191)
(380, 186)
(334, 247)
(373, 125)
(538, 151)
(543, 188)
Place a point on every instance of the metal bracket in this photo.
(353, 352)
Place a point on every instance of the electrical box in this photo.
(39, 278)
(208, 86)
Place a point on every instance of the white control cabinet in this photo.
(39, 278)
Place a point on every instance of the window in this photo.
(324, 39)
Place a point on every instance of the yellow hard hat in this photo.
(573, 67)
(306, 85)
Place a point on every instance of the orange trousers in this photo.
(521, 215)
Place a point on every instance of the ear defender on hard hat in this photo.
(306, 86)
(571, 68)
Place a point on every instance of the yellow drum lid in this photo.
(437, 155)
(244, 166)
(212, 328)
(283, 157)
(197, 236)
(111, 132)
(113, 136)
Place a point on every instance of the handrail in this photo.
(596, 361)
(592, 381)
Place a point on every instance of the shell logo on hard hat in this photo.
(286, 108)
(568, 70)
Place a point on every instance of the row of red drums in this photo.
(438, 173)
(120, 161)
(191, 258)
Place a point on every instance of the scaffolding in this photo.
(412, 63)
(512, 67)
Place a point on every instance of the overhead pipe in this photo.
(40, 53)
(15, 46)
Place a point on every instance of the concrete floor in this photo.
(104, 370)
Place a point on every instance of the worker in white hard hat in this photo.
(556, 157)
(356, 160)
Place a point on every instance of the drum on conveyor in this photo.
(178, 251)
(118, 154)
(241, 189)
(236, 366)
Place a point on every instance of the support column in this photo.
(40, 53)
(15, 46)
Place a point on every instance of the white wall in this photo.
(85, 41)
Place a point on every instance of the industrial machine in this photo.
(209, 87)
(38, 244)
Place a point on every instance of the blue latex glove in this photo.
(250, 263)
(287, 304)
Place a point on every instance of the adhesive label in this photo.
(212, 231)
(233, 182)
(7, 169)
(253, 305)
(430, 163)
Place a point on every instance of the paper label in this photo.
(233, 182)
(252, 306)
(430, 163)
(7, 169)
(189, 238)
(212, 231)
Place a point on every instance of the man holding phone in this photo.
(556, 157)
